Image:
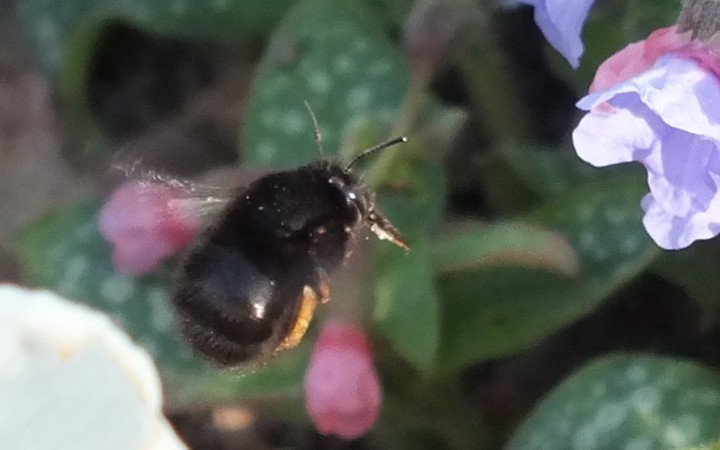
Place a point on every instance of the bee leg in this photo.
(385, 230)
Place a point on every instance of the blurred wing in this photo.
(197, 199)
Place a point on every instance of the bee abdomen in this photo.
(218, 347)
(227, 308)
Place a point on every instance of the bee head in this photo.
(362, 202)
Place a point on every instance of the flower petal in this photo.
(676, 89)
(637, 57)
(676, 232)
(561, 22)
(678, 173)
(603, 138)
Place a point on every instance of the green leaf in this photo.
(551, 171)
(407, 307)
(642, 17)
(493, 312)
(56, 29)
(627, 401)
(332, 55)
(66, 253)
(392, 13)
(65, 37)
(695, 270)
(710, 446)
(280, 377)
(475, 245)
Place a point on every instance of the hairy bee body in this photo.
(250, 285)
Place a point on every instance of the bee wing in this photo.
(205, 202)
(188, 198)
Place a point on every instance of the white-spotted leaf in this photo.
(633, 401)
(333, 55)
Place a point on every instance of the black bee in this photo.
(249, 287)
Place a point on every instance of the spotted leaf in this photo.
(495, 311)
(66, 33)
(332, 55)
(627, 401)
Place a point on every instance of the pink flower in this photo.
(637, 57)
(342, 389)
(656, 102)
(146, 222)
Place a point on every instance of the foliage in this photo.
(556, 240)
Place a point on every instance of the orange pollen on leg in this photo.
(307, 308)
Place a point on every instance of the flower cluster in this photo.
(655, 102)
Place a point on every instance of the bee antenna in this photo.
(316, 128)
(376, 148)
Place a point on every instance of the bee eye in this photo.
(350, 193)
(352, 196)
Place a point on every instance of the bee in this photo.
(248, 287)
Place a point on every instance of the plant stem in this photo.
(492, 91)
(382, 170)
(438, 410)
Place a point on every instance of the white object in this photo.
(71, 379)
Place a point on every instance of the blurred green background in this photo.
(532, 312)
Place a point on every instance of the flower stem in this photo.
(492, 91)
(434, 410)
(383, 168)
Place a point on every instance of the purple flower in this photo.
(667, 118)
(561, 22)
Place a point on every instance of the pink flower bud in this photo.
(146, 222)
(342, 389)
